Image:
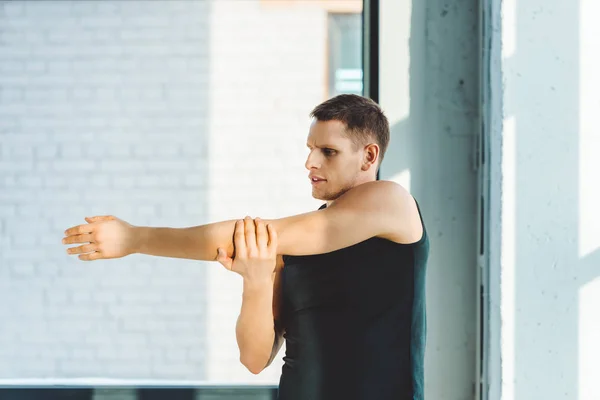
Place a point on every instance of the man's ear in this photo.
(371, 153)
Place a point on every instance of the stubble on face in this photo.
(334, 157)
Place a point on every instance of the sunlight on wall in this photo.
(394, 65)
(589, 121)
(508, 258)
(589, 197)
(256, 51)
(509, 28)
(589, 346)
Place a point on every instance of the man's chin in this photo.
(317, 195)
(321, 196)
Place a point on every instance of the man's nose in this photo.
(311, 161)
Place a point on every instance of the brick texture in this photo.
(163, 113)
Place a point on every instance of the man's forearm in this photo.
(255, 329)
(195, 243)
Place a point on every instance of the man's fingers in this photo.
(262, 239)
(90, 226)
(85, 238)
(99, 218)
(250, 232)
(91, 256)
(272, 245)
(80, 229)
(239, 239)
(86, 248)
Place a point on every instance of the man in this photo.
(347, 291)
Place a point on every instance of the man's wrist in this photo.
(140, 238)
(260, 285)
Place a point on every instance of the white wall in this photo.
(163, 113)
(102, 112)
(545, 215)
(429, 89)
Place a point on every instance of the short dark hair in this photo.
(364, 119)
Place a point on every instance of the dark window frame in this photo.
(370, 46)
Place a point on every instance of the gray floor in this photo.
(133, 394)
(114, 394)
(201, 394)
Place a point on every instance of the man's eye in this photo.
(328, 152)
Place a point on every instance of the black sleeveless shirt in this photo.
(355, 322)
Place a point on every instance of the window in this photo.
(345, 54)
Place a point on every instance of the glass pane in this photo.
(345, 54)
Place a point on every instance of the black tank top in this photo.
(355, 322)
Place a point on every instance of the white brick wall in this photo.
(163, 113)
(271, 61)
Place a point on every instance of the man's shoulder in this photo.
(389, 206)
(381, 194)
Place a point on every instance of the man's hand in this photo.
(255, 259)
(255, 251)
(107, 237)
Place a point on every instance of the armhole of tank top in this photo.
(424, 235)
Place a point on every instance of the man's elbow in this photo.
(254, 369)
(252, 364)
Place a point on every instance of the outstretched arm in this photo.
(383, 209)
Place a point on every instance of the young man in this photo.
(347, 291)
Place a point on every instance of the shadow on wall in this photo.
(108, 99)
(434, 145)
(542, 193)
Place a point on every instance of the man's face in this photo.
(334, 164)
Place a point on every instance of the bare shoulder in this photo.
(366, 193)
(386, 195)
(394, 205)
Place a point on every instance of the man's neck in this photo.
(330, 202)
